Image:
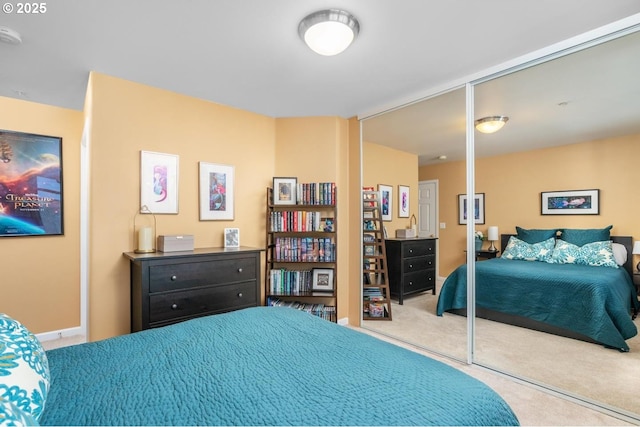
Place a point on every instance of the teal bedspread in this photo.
(261, 366)
(592, 301)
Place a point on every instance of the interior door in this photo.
(428, 208)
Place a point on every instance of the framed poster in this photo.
(477, 206)
(216, 191)
(403, 201)
(31, 196)
(386, 201)
(574, 202)
(159, 182)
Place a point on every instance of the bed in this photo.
(587, 302)
(259, 366)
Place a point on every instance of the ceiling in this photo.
(247, 53)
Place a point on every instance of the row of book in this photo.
(304, 249)
(373, 303)
(316, 193)
(326, 312)
(281, 221)
(290, 282)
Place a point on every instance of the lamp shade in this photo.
(492, 233)
(636, 248)
(329, 32)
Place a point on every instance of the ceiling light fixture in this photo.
(7, 35)
(491, 124)
(329, 32)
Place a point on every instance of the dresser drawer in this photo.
(419, 248)
(184, 275)
(419, 263)
(175, 305)
(419, 281)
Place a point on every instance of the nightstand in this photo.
(486, 254)
(636, 281)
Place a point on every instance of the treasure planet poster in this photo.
(30, 184)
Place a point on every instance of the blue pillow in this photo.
(580, 237)
(597, 254)
(534, 236)
(24, 368)
(518, 250)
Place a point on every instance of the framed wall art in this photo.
(284, 190)
(159, 182)
(574, 202)
(477, 207)
(216, 191)
(31, 190)
(386, 201)
(403, 201)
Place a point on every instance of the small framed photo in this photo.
(159, 182)
(216, 191)
(231, 237)
(322, 280)
(386, 201)
(284, 190)
(477, 207)
(574, 202)
(403, 201)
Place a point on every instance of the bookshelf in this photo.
(301, 251)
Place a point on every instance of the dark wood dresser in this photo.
(170, 287)
(411, 264)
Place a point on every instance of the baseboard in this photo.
(59, 334)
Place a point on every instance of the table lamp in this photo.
(492, 236)
(636, 251)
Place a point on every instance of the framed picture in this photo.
(386, 201)
(31, 199)
(216, 191)
(322, 280)
(159, 182)
(574, 202)
(478, 208)
(231, 237)
(403, 201)
(284, 190)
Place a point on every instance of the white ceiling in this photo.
(247, 53)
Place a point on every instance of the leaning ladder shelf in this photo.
(376, 298)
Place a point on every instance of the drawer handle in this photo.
(410, 282)
(239, 294)
(240, 270)
(410, 265)
(174, 306)
(174, 278)
(410, 251)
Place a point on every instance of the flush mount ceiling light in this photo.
(329, 32)
(491, 124)
(7, 35)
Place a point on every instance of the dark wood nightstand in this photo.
(486, 254)
(636, 281)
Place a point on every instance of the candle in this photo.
(145, 239)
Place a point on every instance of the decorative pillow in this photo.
(581, 237)
(619, 253)
(595, 254)
(24, 369)
(520, 250)
(11, 415)
(534, 236)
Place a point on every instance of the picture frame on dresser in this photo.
(284, 190)
(231, 237)
(216, 186)
(159, 182)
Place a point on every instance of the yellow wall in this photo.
(512, 185)
(384, 165)
(42, 274)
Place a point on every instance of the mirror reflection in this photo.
(573, 126)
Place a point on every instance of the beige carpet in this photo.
(585, 370)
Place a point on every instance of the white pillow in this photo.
(619, 253)
(24, 372)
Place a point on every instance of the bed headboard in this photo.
(626, 241)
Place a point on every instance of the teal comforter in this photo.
(261, 366)
(592, 301)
